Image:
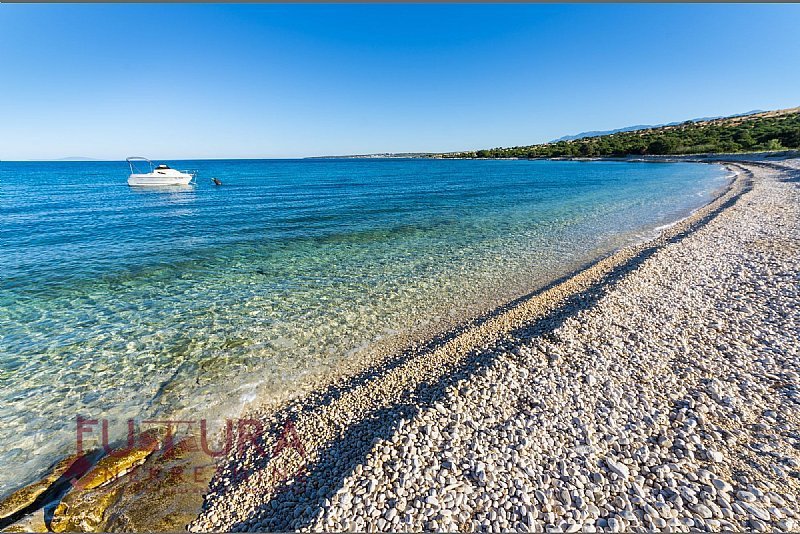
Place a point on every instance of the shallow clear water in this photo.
(117, 302)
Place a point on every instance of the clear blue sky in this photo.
(185, 81)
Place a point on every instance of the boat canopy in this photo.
(132, 163)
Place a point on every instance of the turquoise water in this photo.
(117, 302)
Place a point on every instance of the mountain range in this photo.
(598, 133)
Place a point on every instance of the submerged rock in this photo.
(148, 488)
(27, 496)
(143, 488)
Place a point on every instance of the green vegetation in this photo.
(752, 133)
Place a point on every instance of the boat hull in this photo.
(159, 180)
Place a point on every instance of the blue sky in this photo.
(215, 81)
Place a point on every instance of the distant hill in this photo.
(69, 158)
(595, 133)
(747, 132)
(598, 133)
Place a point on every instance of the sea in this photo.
(201, 301)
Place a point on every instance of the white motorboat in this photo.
(159, 175)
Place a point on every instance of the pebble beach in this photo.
(655, 390)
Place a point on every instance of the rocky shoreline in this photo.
(658, 389)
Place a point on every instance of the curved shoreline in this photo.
(332, 422)
(430, 336)
(331, 418)
(669, 404)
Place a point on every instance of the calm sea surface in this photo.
(117, 302)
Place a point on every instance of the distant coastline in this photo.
(699, 158)
(745, 133)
